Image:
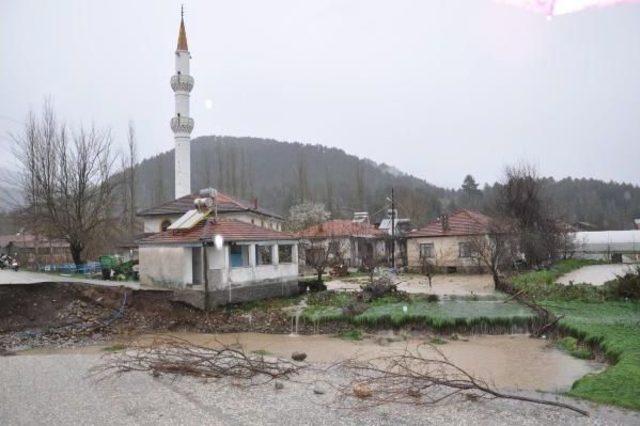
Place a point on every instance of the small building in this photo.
(159, 218)
(445, 242)
(610, 246)
(235, 260)
(355, 240)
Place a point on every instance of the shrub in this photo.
(626, 286)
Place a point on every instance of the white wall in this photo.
(446, 252)
(165, 266)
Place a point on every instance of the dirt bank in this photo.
(65, 314)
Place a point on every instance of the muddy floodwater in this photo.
(507, 361)
(596, 274)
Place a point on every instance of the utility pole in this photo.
(393, 230)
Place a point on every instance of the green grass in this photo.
(115, 348)
(352, 335)
(262, 352)
(447, 314)
(570, 345)
(615, 328)
(437, 340)
(541, 285)
(549, 276)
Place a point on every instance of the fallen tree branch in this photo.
(176, 356)
(420, 379)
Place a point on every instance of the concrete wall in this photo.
(165, 266)
(446, 250)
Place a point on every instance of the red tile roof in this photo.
(230, 229)
(461, 222)
(226, 204)
(341, 228)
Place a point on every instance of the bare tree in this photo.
(372, 259)
(521, 201)
(66, 179)
(497, 250)
(322, 253)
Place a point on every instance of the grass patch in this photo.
(262, 352)
(115, 348)
(437, 340)
(447, 314)
(541, 285)
(352, 335)
(615, 328)
(442, 315)
(570, 345)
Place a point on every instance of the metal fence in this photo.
(72, 268)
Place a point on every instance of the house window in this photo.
(285, 253)
(464, 250)
(164, 225)
(238, 256)
(263, 255)
(426, 250)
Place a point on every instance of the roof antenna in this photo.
(182, 11)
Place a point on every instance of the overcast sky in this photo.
(438, 89)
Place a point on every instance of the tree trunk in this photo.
(496, 278)
(319, 276)
(76, 253)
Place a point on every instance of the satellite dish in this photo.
(218, 241)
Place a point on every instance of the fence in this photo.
(72, 268)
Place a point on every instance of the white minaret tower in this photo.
(181, 123)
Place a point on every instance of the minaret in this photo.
(181, 123)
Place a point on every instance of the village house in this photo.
(355, 240)
(445, 242)
(233, 260)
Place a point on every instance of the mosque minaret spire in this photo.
(182, 123)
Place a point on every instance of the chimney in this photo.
(637, 222)
(255, 203)
(444, 221)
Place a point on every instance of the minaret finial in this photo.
(182, 34)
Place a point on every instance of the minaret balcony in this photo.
(181, 83)
(182, 124)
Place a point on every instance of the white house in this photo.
(231, 260)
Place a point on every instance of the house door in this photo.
(196, 266)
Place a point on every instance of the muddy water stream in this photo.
(508, 361)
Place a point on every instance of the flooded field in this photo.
(441, 284)
(507, 361)
(595, 274)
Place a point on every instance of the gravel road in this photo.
(54, 390)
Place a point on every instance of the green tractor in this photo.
(113, 267)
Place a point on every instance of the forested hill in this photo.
(282, 174)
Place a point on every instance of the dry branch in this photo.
(175, 356)
(419, 378)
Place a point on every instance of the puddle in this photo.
(507, 361)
